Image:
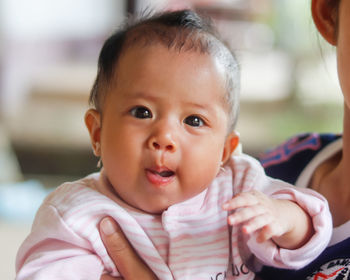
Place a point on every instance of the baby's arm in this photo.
(54, 251)
(283, 221)
(302, 227)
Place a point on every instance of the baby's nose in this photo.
(162, 140)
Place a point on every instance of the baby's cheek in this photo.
(204, 172)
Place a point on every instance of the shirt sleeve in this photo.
(313, 203)
(53, 250)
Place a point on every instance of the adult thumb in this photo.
(128, 263)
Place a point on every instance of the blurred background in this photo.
(48, 58)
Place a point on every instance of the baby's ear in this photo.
(231, 144)
(93, 124)
(325, 19)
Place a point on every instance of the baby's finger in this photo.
(269, 231)
(241, 200)
(245, 214)
(257, 223)
(265, 234)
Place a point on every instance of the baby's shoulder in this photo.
(81, 194)
(242, 171)
(244, 163)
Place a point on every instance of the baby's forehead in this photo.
(154, 61)
(156, 65)
(154, 53)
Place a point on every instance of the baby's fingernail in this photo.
(246, 229)
(108, 227)
(225, 206)
(231, 220)
(260, 240)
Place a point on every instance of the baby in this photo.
(165, 103)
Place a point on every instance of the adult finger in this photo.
(129, 264)
(108, 277)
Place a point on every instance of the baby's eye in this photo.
(141, 112)
(194, 121)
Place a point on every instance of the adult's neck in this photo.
(345, 161)
(331, 178)
(334, 183)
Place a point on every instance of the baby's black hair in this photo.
(181, 30)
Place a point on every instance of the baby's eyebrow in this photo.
(141, 95)
(205, 107)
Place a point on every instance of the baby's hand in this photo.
(259, 213)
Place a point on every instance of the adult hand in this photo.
(129, 264)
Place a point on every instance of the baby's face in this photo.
(164, 126)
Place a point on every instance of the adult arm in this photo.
(129, 264)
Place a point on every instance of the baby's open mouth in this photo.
(160, 176)
(166, 173)
(162, 173)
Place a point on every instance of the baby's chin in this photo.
(152, 205)
(156, 208)
(147, 207)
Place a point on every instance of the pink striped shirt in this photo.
(190, 240)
